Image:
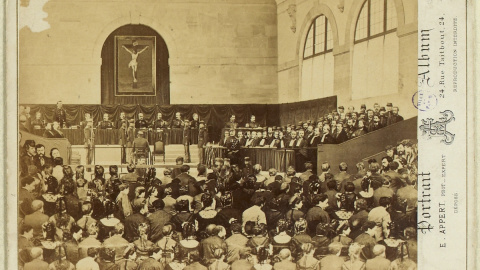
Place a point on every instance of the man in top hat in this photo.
(141, 123)
(363, 108)
(394, 117)
(105, 123)
(388, 109)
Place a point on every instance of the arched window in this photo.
(317, 67)
(375, 54)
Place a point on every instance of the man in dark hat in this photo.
(394, 117)
(363, 108)
(388, 109)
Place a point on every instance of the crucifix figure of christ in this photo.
(135, 50)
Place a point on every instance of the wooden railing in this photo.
(355, 150)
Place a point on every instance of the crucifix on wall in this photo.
(135, 65)
(135, 50)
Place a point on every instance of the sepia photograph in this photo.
(225, 134)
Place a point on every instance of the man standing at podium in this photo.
(141, 123)
(105, 123)
(60, 115)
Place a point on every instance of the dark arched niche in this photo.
(162, 68)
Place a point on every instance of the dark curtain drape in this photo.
(107, 70)
(292, 113)
(214, 115)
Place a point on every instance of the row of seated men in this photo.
(304, 135)
(387, 115)
(28, 124)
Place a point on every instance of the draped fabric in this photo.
(292, 113)
(215, 116)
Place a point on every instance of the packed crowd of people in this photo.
(233, 217)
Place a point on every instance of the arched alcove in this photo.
(160, 68)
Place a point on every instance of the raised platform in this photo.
(111, 155)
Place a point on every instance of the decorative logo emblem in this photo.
(439, 128)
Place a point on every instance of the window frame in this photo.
(313, 27)
(383, 33)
